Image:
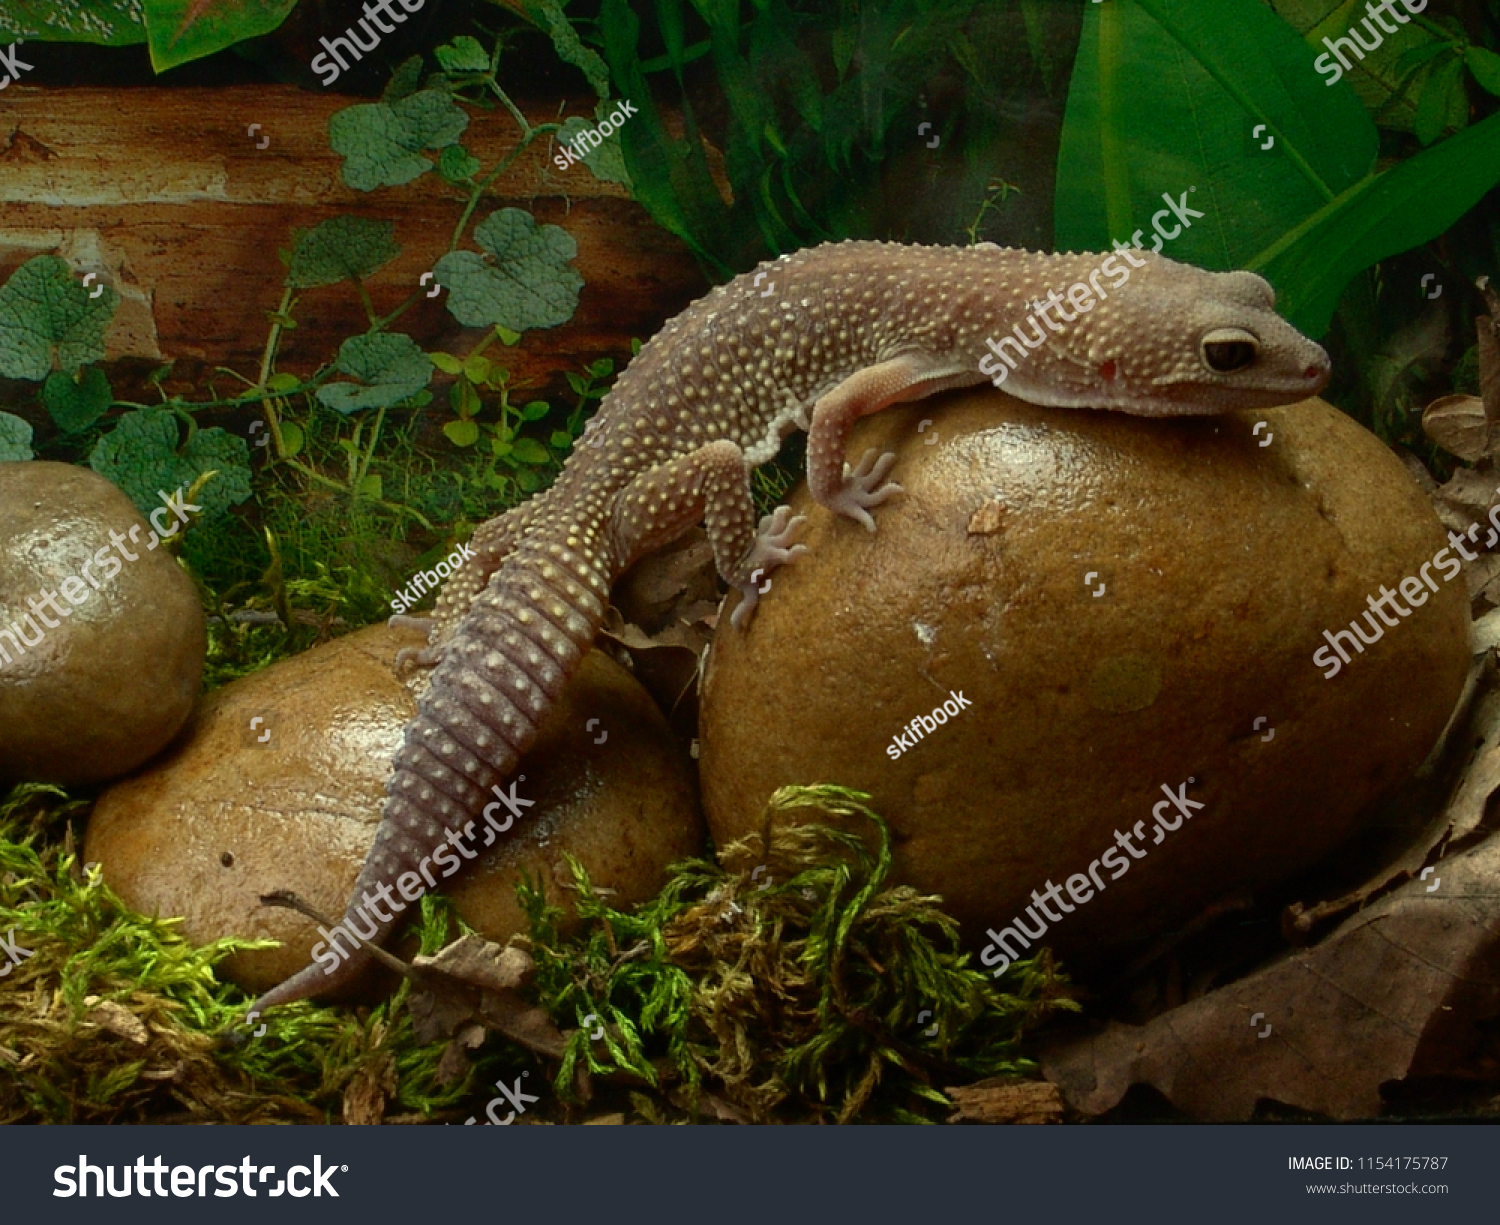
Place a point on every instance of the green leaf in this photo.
(463, 54)
(109, 23)
(462, 433)
(535, 411)
(529, 451)
(47, 318)
(524, 281)
(1380, 216)
(292, 437)
(1220, 70)
(1436, 99)
(342, 248)
(1485, 65)
(282, 383)
(141, 456)
(561, 440)
(370, 486)
(183, 30)
(446, 362)
(405, 81)
(390, 364)
(457, 165)
(382, 142)
(476, 367)
(15, 439)
(528, 480)
(76, 402)
(548, 16)
(605, 160)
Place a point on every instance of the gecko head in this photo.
(1176, 340)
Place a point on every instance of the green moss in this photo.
(790, 982)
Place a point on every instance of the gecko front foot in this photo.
(769, 551)
(862, 487)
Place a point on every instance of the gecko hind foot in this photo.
(417, 657)
(862, 487)
(772, 548)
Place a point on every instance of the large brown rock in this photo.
(111, 679)
(1218, 563)
(228, 816)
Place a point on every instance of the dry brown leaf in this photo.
(1465, 501)
(1001, 1100)
(1394, 992)
(475, 981)
(1458, 425)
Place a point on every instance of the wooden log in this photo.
(164, 194)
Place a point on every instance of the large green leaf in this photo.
(183, 30)
(1380, 216)
(111, 23)
(1216, 71)
(1309, 213)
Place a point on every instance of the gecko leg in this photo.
(851, 491)
(711, 485)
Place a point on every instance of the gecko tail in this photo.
(500, 675)
(314, 980)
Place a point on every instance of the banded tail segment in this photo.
(518, 646)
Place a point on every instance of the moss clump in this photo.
(790, 983)
(113, 1017)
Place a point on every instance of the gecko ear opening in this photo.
(1226, 350)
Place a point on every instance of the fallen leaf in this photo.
(1395, 992)
(1458, 425)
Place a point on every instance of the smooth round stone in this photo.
(110, 681)
(279, 785)
(1124, 605)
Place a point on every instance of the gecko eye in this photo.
(1226, 350)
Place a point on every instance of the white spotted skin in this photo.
(713, 394)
